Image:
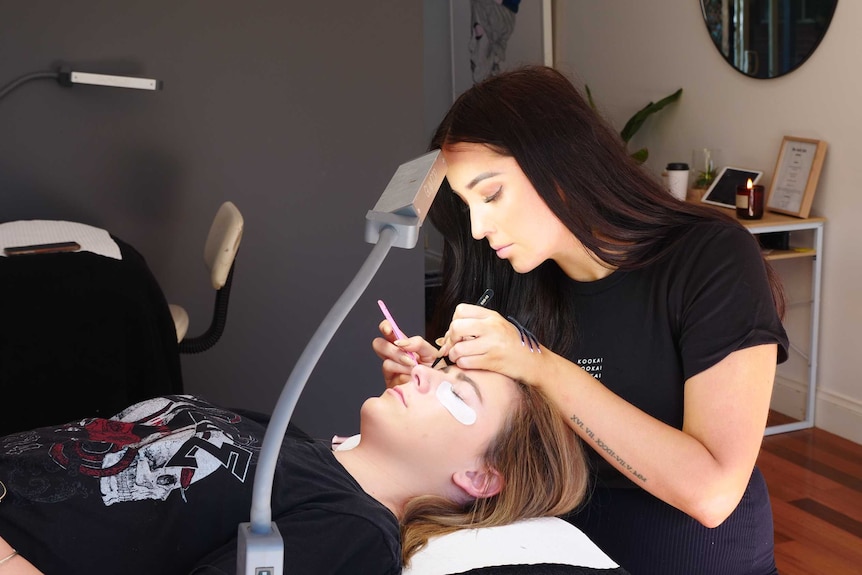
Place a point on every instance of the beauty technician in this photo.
(653, 325)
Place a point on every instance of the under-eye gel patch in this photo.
(455, 405)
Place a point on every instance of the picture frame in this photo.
(797, 171)
(530, 41)
(722, 191)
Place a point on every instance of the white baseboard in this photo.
(834, 412)
(839, 414)
(789, 397)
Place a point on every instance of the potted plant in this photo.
(636, 121)
(703, 164)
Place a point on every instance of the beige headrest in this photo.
(222, 243)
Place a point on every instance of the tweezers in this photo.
(527, 337)
(482, 301)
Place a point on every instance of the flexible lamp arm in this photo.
(395, 220)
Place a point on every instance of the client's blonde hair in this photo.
(542, 463)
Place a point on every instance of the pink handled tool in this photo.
(395, 328)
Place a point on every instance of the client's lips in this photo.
(399, 393)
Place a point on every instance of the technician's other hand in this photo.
(397, 361)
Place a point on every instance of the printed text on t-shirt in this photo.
(592, 365)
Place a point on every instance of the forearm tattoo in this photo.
(602, 446)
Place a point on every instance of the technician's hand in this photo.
(480, 338)
(397, 361)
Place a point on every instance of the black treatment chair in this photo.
(82, 334)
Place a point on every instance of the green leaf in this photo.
(590, 97)
(635, 122)
(641, 155)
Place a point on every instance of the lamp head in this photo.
(69, 77)
(406, 200)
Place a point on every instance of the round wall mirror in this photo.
(767, 38)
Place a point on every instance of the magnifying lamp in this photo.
(394, 221)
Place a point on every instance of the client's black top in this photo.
(163, 486)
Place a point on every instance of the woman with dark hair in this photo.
(659, 321)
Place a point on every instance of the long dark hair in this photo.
(580, 167)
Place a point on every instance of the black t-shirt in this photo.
(162, 488)
(643, 333)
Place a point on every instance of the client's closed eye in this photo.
(455, 404)
(457, 395)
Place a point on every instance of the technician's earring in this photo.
(527, 337)
(2, 491)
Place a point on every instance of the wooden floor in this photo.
(815, 482)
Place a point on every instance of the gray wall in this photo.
(298, 112)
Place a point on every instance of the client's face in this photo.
(444, 418)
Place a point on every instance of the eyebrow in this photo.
(461, 376)
(480, 177)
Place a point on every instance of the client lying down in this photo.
(162, 486)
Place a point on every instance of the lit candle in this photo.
(749, 201)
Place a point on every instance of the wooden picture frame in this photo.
(794, 180)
